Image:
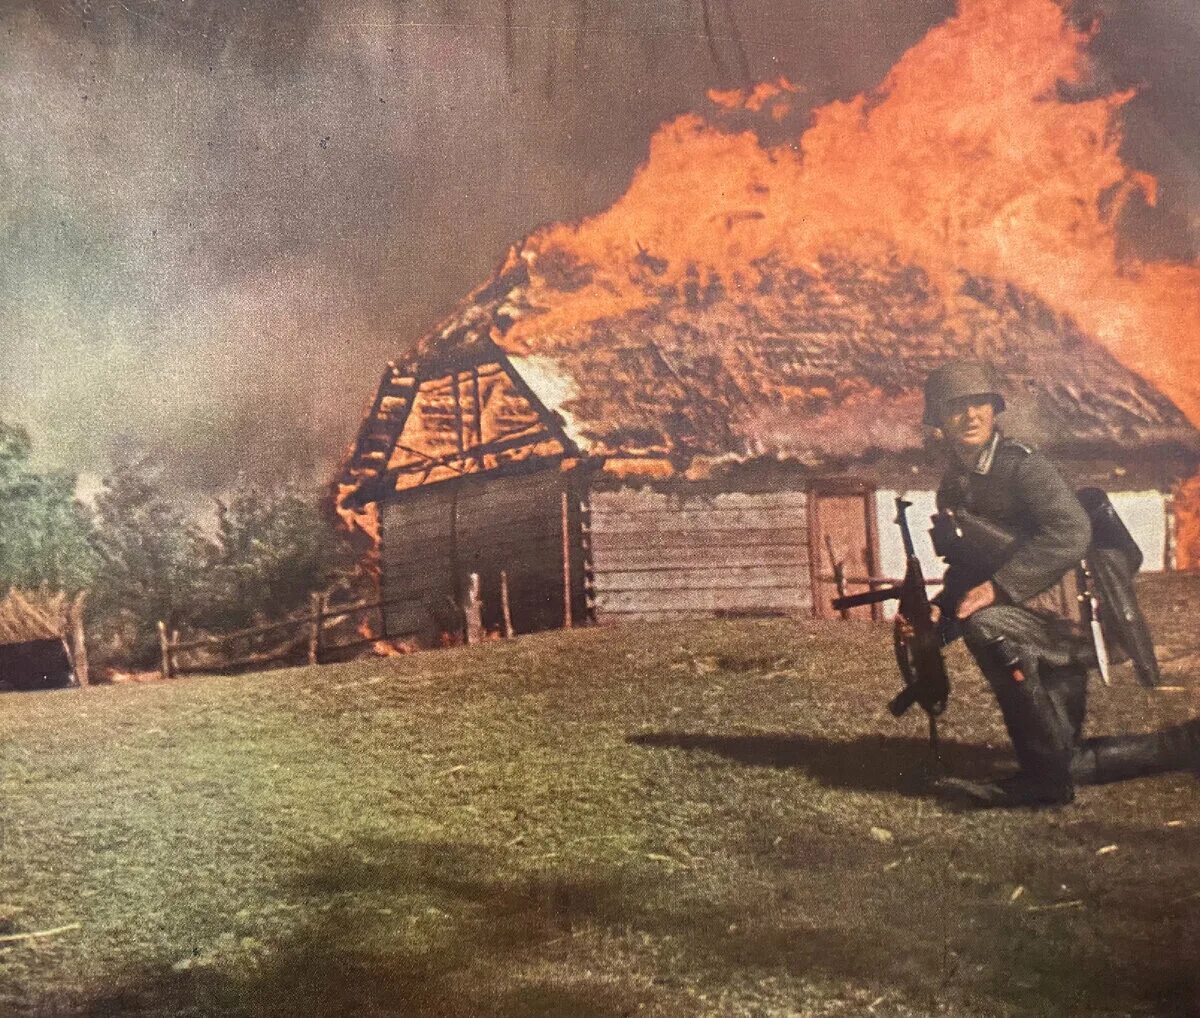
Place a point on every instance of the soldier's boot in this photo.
(1018, 791)
(1110, 758)
(1067, 686)
(1041, 732)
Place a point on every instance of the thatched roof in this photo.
(32, 615)
(820, 366)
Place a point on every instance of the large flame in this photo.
(972, 156)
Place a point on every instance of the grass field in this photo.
(647, 820)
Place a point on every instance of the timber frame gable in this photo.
(463, 411)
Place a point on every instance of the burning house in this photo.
(713, 454)
(703, 398)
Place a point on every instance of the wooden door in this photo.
(842, 532)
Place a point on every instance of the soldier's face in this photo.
(969, 423)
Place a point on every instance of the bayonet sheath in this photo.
(1101, 651)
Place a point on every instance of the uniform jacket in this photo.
(1022, 491)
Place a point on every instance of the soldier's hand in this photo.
(976, 599)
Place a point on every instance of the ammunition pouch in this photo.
(970, 542)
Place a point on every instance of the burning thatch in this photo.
(818, 365)
(752, 298)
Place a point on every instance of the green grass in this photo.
(647, 820)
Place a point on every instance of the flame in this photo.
(115, 675)
(1187, 523)
(965, 159)
(391, 648)
(774, 96)
(383, 648)
(975, 155)
(365, 519)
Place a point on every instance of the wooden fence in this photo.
(307, 633)
(310, 633)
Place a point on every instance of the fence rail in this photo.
(311, 628)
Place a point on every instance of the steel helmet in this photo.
(954, 380)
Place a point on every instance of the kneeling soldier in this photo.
(1035, 658)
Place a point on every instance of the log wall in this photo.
(656, 554)
(432, 540)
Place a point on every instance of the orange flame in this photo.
(383, 648)
(964, 159)
(970, 157)
(1187, 524)
(391, 648)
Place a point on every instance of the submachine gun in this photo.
(918, 641)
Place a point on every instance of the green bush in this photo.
(44, 530)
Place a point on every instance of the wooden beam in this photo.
(505, 613)
(478, 413)
(164, 649)
(374, 431)
(427, 463)
(568, 619)
(472, 612)
(873, 554)
(544, 412)
(512, 468)
(314, 629)
(460, 439)
(267, 656)
(78, 641)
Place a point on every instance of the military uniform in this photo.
(1030, 647)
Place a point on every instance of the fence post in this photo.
(471, 608)
(78, 642)
(505, 614)
(568, 619)
(164, 647)
(317, 603)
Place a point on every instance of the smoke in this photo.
(220, 219)
(1152, 48)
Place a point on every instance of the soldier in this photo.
(1034, 657)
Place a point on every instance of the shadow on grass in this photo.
(867, 763)
(394, 929)
(412, 929)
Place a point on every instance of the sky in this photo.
(220, 219)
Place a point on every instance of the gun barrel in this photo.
(866, 597)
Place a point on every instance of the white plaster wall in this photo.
(1145, 514)
(892, 560)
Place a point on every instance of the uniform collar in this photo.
(987, 455)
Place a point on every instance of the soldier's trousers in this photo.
(1034, 665)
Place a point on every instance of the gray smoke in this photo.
(220, 219)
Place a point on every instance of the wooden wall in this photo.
(433, 539)
(656, 554)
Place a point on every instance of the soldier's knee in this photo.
(986, 625)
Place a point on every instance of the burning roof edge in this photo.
(1110, 412)
(555, 387)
